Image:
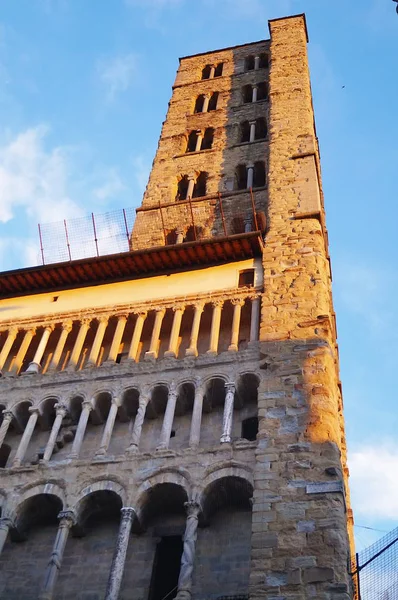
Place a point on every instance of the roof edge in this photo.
(291, 17)
(222, 49)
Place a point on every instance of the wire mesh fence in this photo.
(375, 570)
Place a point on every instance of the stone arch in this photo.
(227, 485)
(55, 488)
(167, 476)
(111, 485)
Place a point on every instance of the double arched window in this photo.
(197, 140)
(251, 131)
(205, 103)
(250, 176)
(191, 187)
(211, 71)
(256, 62)
(255, 93)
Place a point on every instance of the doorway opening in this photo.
(166, 568)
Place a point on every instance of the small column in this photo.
(61, 411)
(250, 175)
(175, 331)
(110, 422)
(99, 336)
(5, 351)
(6, 523)
(34, 366)
(7, 419)
(87, 407)
(254, 93)
(194, 437)
(212, 71)
(191, 185)
(237, 303)
(188, 554)
(255, 319)
(252, 131)
(138, 423)
(206, 101)
(27, 434)
(199, 140)
(117, 338)
(153, 348)
(22, 351)
(119, 556)
(215, 327)
(66, 329)
(168, 420)
(193, 349)
(256, 63)
(66, 520)
(135, 342)
(180, 236)
(77, 348)
(228, 412)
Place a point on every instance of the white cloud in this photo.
(111, 186)
(374, 481)
(117, 74)
(25, 251)
(141, 171)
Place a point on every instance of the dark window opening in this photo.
(245, 132)
(121, 356)
(259, 174)
(207, 141)
(199, 104)
(219, 69)
(238, 225)
(182, 189)
(261, 129)
(166, 568)
(262, 91)
(241, 177)
(206, 72)
(192, 140)
(213, 102)
(249, 63)
(171, 237)
(247, 94)
(55, 299)
(246, 278)
(5, 452)
(200, 186)
(250, 429)
(263, 61)
(172, 433)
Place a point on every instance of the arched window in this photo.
(213, 102)
(262, 91)
(5, 452)
(245, 132)
(241, 177)
(249, 63)
(250, 429)
(219, 69)
(261, 129)
(208, 137)
(247, 94)
(206, 72)
(182, 189)
(259, 174)
(200, 100)
(263, 61)
(200, 185)
(192, 141)
(238, 225)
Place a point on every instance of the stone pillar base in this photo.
(211, 353)
(232, 348)
(32, 368)
(191, 352)
(225, 439)
(150, 356)
(170, 354)
(133, 449)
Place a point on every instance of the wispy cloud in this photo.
(111, 185)
(142, 169)
(117, 74)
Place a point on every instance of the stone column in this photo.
(153, 348)
(77, 348)
(180, 236)
(87, 407)
(254, 93)
(215, 327)
(206, 101)
(6, 523)
(199, 140)
(175, 331)
(252, 131)
(135, 342)
(255, 319)
(191, 185)
(138, 423)
(110, 422)
(34, 366)
(117, 338)
(194, 436)
(5, 351)
(168, 420)
(193, 350)
(188, 554)
(212, 71)
(66, 329)
(66, 520)
(119, 556)
(256, 63)
(99, 336)
(27, 434)
(228, 412)
(22, 351)
(250, 176)
(61, 411)
(7, 419)
(237, 304)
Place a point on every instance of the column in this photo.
(212, 71)
(99, 336)
(250, 175)
(199, 140)
(6, 523)
(237, 304)
(61, 411)
(255, 319)
(66, 329)
(87, 407)
(66, 520)
(117, 338)
(138, 423)
(7, 418)
(5, 351)
(180, 236)
(27, 434)
(22, 351)
(254, 93)
(228, 412)
(77, 348)
(110, 422)
(256, 63)
(194, 436)
(119, 556)
(153, 348)
(175, 331)
(34, 366)
(135, 342)
(215, 327)
(193, 349)
(188, 553)
(168, 420)
(252, 131)
(206, 100)
(191, 185)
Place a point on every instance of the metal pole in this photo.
(67, 240)
(41, 244)
(127, 229)
(193, 222)
(95, 233)
(254, 210)
(222, 214)
(161, 217)
(358, 577)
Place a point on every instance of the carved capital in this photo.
(49, 327)
(67, 326)
(116, 401)
(237, 301)
(6, 523)
(60, 409)
(87, 405)
(192, 508)
(128, 513)
(178, 307)
(122, 317)
(199, 306)
(13, 330)
(67, 518)
(217, 303)
(85, 322)
(8, 416)
(34, 410)
(103, 320)
(230, 387)
(141, 313)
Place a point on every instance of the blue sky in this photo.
(84, 88)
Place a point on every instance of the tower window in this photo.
(245, 132)
(166, 568)
(249, 63)
(250, 429)
(263, 61)
(241, 177)
(262, 91)
(213, 102)
(200, 100)
(5, 452)
(259, 174)
(200, 186)
(261, 129)
(207, 141)
(219, 69)
(247, 94)
(182, 188)
(206, 72)
(192, 141)
(246, 278)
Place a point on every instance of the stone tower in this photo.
(172, 415)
